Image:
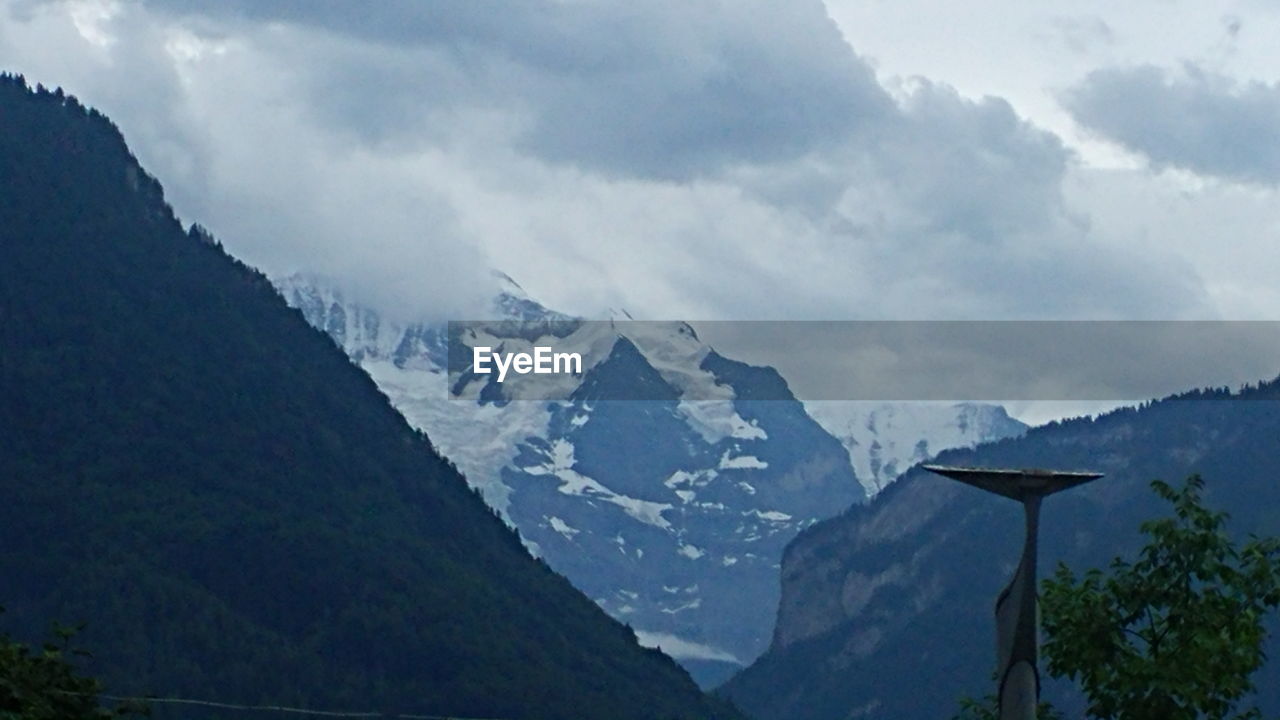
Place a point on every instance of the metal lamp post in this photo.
(1018, 691)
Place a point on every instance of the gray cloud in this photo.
(669, 90)
(1081, 33)
(235, 152)
(1194, 120)
(975, 167)
(682, 159)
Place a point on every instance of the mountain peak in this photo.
(625, 374)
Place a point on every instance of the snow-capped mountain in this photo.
(885, 439)
(672, 513)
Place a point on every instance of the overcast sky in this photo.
(702, 159)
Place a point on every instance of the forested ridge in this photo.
(232, 507)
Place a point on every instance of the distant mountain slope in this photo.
(233, 507)
(672, 512)
(885, 439)
(886, 610)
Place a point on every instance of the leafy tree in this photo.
(44, 685)
(1178, 633)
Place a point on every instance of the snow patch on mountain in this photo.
(682, 649)
(741, 462)
(562, 527)
(716, 420)
(560, 463)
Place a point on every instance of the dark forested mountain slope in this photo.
(886, 610)
(231, 505)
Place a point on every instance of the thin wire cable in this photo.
(279, 708)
